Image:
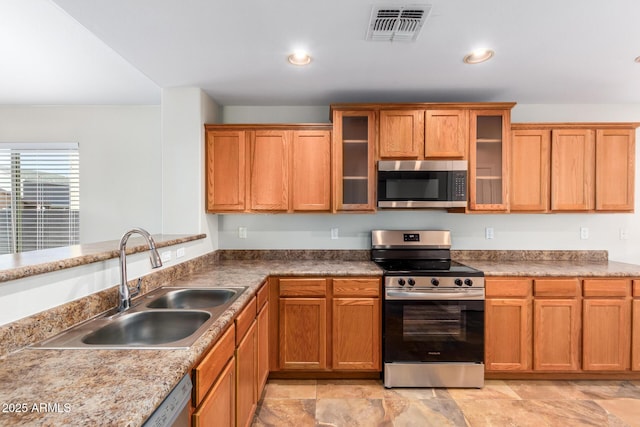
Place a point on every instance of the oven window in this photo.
(426, 323)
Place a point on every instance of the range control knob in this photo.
(468, 282)
(401, 282)
(435, 282)
(458, 282)
(412, 282)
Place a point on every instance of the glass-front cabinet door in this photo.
(354, 168)
(488, 151)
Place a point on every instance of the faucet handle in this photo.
(136, 291)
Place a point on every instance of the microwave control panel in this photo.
(459, 185)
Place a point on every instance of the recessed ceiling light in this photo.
(478, 56)
(299, 58)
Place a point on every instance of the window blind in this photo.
(39, 196)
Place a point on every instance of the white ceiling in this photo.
(547, 51)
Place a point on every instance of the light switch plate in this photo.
(334, 234)
(180, 252)
(242, 232)
(584, 233)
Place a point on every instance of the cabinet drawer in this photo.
(606, 287)
(636, 288)
(356, 287)
(556, 287)
(303, 287)
(244, 319)
(263, 295)
(504, 287)
(205, 374)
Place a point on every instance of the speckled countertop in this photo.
(123, 387)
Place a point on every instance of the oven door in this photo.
(433, 331)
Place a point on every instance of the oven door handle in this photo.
(469, 294)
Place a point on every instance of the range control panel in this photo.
(408, 282)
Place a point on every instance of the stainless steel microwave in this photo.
(422, 183)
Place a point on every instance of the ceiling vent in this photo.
(397, 23)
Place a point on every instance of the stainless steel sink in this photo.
(148, 328)
(193, 298)
(166, 318)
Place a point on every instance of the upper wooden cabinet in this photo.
(488, 159)
(592, 167)
(423, 134)
(446, 134)
(354, 182)
(615, 169)
(268, 168)
(226, 157)
(401, 134)
(529, 171)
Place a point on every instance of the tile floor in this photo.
(367, 403)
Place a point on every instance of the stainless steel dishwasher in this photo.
(174, 409)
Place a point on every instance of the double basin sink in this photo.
(166, 318)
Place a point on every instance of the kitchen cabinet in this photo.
(302, 323)
(508, 324)
(572, 169)
(557, 324)
(446, 134)
(354, 141)
(592, 167)
(401, 134)
(246, 364)
(268, 168)
(226, 158)
(214, 384)
(488, 159)
(529, 170)
(615, 169)
(262, 320)
(606, 334)
(635, 328)
(356, 324)
(311, 170)
(326, 324)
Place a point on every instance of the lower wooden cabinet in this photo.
(327, 324)
(607, 325)
(218, 407)
(579, 327)
(508, 324)
(556, 325)
(635, 328)
(246, 377)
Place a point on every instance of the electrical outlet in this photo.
(624, 234)
(584, 233)
(334, 234)
(242, 232)
(488, 233)
(165, 256)
(180, 252)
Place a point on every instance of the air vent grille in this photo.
(397, 23)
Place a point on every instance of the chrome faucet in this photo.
(125, 293)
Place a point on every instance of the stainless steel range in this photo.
(433, 312)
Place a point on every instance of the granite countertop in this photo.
(123, 387)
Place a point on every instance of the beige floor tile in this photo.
(533, 413)
(626, 410)
(351, 413)
(285, 413)
(491, 390)
(416, 393)
(546, 390)
(423, 413)
(349, 389)
(598, 390)
(290, 389)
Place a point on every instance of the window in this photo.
(39, 196)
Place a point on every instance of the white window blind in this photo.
(39, 196)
